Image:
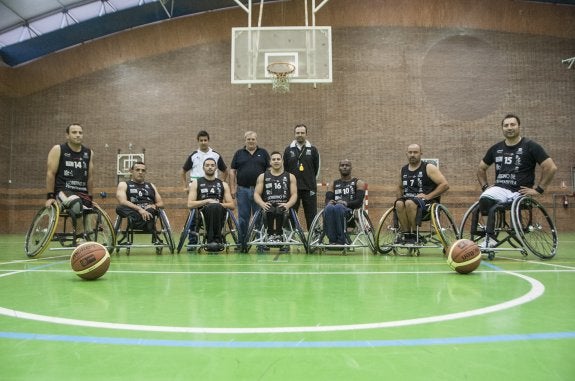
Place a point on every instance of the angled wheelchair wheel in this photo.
(166, 230)
(98, 227)
(230, 231)
(316, 235)
(467, 230)
(256, 232)
(444, 225)
(297, 230)
(42, 230)
(367, 230)
(534, 227)
(186, 230)
(387, 231)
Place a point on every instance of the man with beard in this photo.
(212, 196)
(421, 185)
(515, 160)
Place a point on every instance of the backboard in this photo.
(307, 48)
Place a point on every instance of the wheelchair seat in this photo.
(437, 230)
(359, 233)
(521, 225)
(257, 235)
(126, 231)
(195, 226)
(54, 224)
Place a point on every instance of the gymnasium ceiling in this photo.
(30, 29)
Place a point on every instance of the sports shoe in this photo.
(488, 243)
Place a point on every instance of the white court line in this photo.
(537, 289)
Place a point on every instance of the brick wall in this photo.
(446, 88)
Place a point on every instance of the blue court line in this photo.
(290, 344)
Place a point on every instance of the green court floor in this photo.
(299, 317)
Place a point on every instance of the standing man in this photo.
(69, 173)
(194, 164)
(213, 197)
(276, 193)
(139, 200)
(302, 160)
(195, 161)
(421, 185)
(247, 164)
(345, 195)
(515, 160)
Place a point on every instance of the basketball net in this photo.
(281, 72)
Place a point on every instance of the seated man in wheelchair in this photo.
(212, 197)
(275, 193)
(515, 160)
(139, 201)
(421, 185)
(69, 175)
(345, 195)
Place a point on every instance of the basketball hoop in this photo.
(281, 72)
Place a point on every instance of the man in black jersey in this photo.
(346, 194)
(276, 193)
(213, 197)
(69, 174)
(421, 185)
(515, 160)
(194, 166)
(301, 159)
(139, 200)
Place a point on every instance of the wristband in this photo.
(539, 189)
(51, 195)
(484, 187)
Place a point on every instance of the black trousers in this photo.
(309, 201)
(214, 216)
(136, 219)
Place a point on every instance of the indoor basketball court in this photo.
(368, 78)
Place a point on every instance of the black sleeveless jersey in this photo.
(276, 188)
(72, 172)
(416, 182)
(140, 193)
(515, 165)
(345, 190)
(210, 189)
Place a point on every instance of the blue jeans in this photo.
(246, 207)
(334, 222)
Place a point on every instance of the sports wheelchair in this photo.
(125, 232)
(196, 218)
(359, 233)
(257, 234)
(437, 230)
(97, 228)
(522, 225)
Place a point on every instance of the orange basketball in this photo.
(90, 260)
(464, 256)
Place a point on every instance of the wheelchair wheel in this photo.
(186, 230)
(387, 231)
(230, 232)
(256, 232)
(296, 228)
(367, 229)
(42, 230)
(316, 234)
(444, 225)
(166, 230)
(98, 228)
(466, 228)
(534, 227)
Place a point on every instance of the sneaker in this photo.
(488, 243)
